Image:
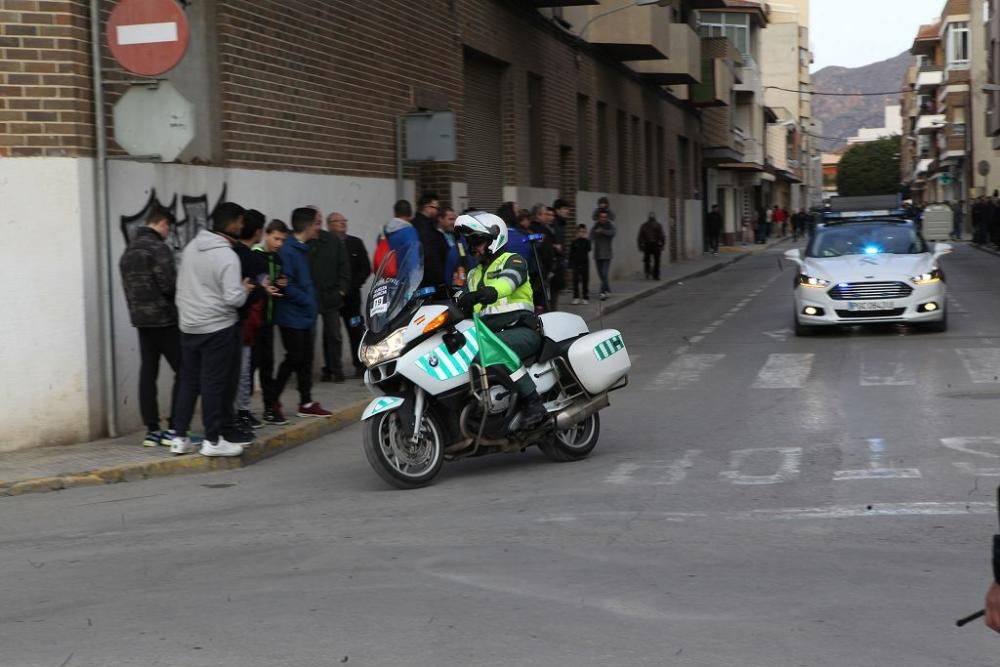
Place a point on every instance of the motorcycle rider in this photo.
(499, 290)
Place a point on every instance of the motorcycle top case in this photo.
(599, 360)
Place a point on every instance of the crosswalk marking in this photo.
(685, 371)
(982, 363)
(879, 372)
(784, 371)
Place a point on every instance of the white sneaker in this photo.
(221, 448)
(181, 446)
(584, 302)
(576, 302)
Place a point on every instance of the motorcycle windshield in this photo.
(396, 283)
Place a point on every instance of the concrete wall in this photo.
(48, 332)
(630, 212)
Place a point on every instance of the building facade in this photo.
(296, 102)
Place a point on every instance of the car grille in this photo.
(860, 291)
(854, 314)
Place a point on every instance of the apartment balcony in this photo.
(716, 86)
(683, 65)
(930, 123)
(749, 78)
(929, 78)
(636, 33)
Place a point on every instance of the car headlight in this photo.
(932, 276)
(810, 281)
(384, 350)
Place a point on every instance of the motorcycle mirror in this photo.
(454, 341)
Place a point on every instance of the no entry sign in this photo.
(148, 37)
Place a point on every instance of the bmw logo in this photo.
(432, 360)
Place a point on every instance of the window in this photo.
(636, 157)
(958, 44)
(603, 157)
(583, 142)
(734, 26)
(650, 164)
(661, 161)
(536, 149)
(622, 163)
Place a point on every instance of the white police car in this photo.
(864, 270)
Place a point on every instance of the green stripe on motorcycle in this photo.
(607, 348)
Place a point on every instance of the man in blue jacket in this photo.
(295, 316)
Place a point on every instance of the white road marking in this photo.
(685, 370)
(982, 363)
(972, 445)
(792, 513)
(696, 339)
(875, 470)
(787, 470)
(707, 330)
(622, 474)
(886, 373)
(676, 471)
(147, 33)
(718, 323)
(784, 371)
(779, 334)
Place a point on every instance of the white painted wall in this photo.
(694, 235)
(630, 212)
(366, 202)
(50, 382)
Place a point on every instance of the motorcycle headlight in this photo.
(932, 276)
(384, 350)
(810, 281)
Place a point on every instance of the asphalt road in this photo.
(756, 500)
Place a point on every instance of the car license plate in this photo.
(859, 306)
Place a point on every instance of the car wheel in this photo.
(940, 326)
(803, 330)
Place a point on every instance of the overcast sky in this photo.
(851, 33)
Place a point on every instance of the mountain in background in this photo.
(842, 117)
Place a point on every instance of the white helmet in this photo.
(485, 226)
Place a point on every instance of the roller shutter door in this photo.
(483, 133)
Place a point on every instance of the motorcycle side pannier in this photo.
(599, 360)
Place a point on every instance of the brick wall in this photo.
(45, 83)
(316, 86)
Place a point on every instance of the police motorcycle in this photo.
(434, 402)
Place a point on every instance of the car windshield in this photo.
(396, 282)
(866, 239)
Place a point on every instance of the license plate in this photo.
(858, 306)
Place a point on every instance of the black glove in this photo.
(468, 300)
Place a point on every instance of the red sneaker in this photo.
(313, 409)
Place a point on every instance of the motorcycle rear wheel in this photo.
(573, 443)
(398, 461)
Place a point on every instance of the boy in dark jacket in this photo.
(149, 278)
(274, 238)
(296, 316)
(330, 268)
(579, 262)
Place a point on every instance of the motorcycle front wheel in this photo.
(573, 443)
(396, 458)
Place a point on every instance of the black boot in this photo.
(533, 413)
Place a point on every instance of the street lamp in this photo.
(633, 3)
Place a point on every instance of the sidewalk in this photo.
(124, 459)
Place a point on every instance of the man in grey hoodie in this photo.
(209, 290)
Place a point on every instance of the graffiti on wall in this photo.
(196, 216)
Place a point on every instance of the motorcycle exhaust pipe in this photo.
(575, 414)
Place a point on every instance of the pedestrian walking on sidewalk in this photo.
(149, 279)
(296, 316)
(209, 290)
(651, 242)
(602, 236)
(579, 261)
(330, 269)
(275, 235)
(361, 268)
(713, 225)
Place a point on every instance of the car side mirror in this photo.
(942, 249)
(794, 255)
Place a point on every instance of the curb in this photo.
(264, 448)
(982, 248)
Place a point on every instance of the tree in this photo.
(870, 168)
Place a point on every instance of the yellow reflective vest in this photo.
(508, 275)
